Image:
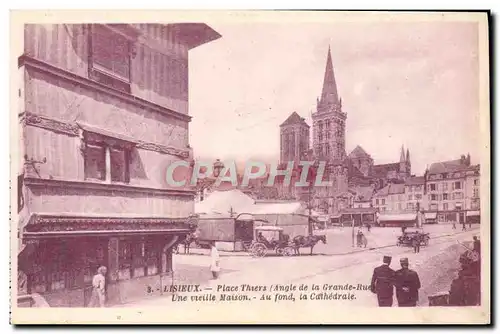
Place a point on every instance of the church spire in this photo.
(329, 95)
(407, 155)
(402, 157)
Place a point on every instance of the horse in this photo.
(307, 241)
(190, 238)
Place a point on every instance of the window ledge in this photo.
(105, 186)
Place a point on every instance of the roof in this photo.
(391, 189)
(396, 188)
(276, 208)
(359, 152)
(357, 210)
(448, 166)
(223, 202)
(382, 170)
(415, 180)
(294, 118)
(268, 228)
(329, 95)
(363, 193)
(193, 34)
(398, 217)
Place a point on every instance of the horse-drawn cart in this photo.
(409, 237)
(278, 243)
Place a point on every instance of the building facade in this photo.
(104, 110)
(453, 189)
(294, 139)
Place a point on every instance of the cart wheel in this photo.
(279, 251)
(258, 250)
(288, 251)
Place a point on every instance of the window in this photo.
(97, 151)
(434, 197)
(321, 136)
(476, 182)
(458, 195)
(383, 201)
(376, 201)
(109, 57)
(433, 207)
(457, 185)
(410, 206)
(119, 165)
(418, 196)
(445, 197)
(475, 193)
(432, 187)
(382, 209)
(95, 162)
(458, 206)
(445, 206)
(410, 197)
(445, 186)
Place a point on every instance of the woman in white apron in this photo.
(215, 261)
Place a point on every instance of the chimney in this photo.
(467, 160)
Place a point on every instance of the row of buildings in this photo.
(448, 191)
(103, 109)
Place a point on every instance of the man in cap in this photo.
(407, 285)
(383, 283)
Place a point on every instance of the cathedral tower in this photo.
(294, 139)
(329, 120)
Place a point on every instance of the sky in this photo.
(401, 83)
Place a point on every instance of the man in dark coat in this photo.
(416, 242)
(407, 285)
(383, 283)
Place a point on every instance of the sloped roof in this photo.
(396, 188)
(415, 180)
(390, 189)
(294, 118)
(447, 166)
(358, 152)
(276, 208)
(382, 170)
(223, 201)
(363, 193)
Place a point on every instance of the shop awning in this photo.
(398, 217)
(57, 226)
(473, 213)
(430, 215)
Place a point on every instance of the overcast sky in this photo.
(412, 84)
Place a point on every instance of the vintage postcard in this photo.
(250, 167)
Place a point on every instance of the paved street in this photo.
(436, 265)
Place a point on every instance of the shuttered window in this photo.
(110, 52)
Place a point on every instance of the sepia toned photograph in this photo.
(250, 167)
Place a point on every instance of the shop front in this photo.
(65, 252)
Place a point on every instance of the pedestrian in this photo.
(383, 283)
(454, 226)
(476, 245)
(98, 296)
(463, 227)
(416, 243)
(369, 227)
(407, 285)
(215, 261)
